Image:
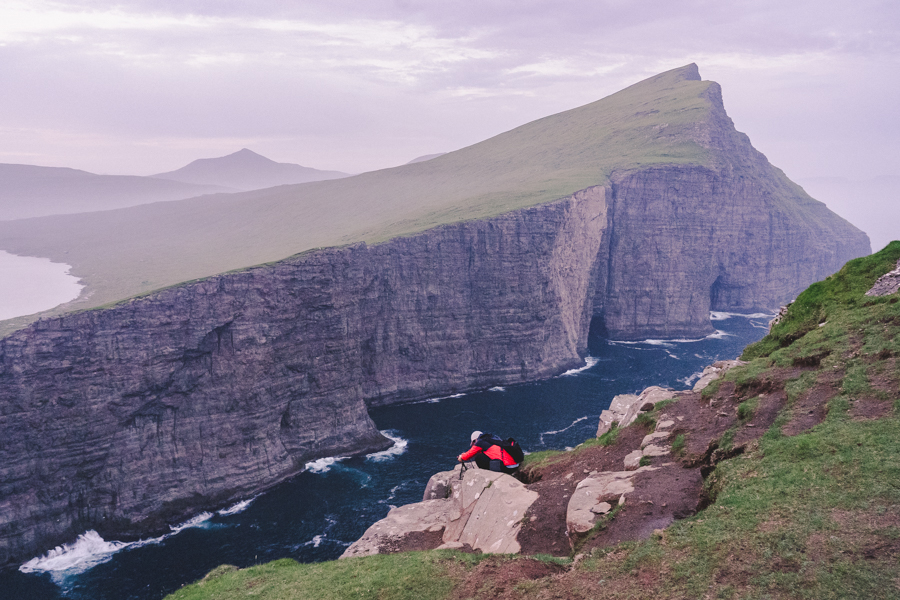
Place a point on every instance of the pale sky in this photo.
(139, 87)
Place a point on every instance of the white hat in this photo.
(475, 436)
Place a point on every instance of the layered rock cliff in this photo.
(127, 417)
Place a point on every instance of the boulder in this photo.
(714, 371)
(633, 460)
(483, 510)
(625, 408)
(594, 494)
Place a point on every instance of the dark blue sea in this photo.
(317, 514)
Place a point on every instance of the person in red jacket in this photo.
(487, 454)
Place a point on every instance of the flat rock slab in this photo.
(483, 510)
(594, 494)
(714, 371)
(633, 460)
(625, 408)
(654, 450)
(651, 438)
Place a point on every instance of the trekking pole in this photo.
(462, 470)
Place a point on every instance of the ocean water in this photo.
(317, 514)
(29, 285)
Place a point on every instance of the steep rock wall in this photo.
(143, 413)
(735, 235)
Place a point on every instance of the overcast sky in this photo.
(139, 87)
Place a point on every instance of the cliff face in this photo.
(124, 418)
(737, 235)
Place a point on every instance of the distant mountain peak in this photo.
(246, 170)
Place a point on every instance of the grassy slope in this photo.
(816, 515)
(126, 252)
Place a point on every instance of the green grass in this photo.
(827, 299)
(126, 252)
(406, 576)
(811, 516)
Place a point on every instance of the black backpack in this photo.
(509, 445)
(512, 447)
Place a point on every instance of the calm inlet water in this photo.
(316, 515)
(29, 285)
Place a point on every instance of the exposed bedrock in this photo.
(127, 418)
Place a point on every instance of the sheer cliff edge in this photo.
(126, 417)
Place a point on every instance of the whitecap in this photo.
(323, 465)
(571, 425)
(196, 521)
(87, 551)
(497, 388)
(721, 316)
(589, 362)
(397, 449)
(236, 508)
(689, 380)
(438, 399)
(718, 335)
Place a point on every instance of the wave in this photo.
(438, 399)
(397, 449)
(497, 388)
(721, 316)
(589, 362)
(89, 550)
(571, 425)
(717, 335)
(691, 379)
(323, 465)
(236, 508)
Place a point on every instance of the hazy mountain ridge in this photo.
(32, 191)
(662, 120)
(246, 170)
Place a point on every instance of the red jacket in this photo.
(493, 452)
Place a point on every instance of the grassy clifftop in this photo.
(808, 510)
(126, 252)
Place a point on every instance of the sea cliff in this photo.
(129, 417)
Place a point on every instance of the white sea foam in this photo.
(397, 449)
(90, 550)
(236, 508)
(589, 362)
(721, 316)
(436, 400)
(192, 522)
(717, 335)
(323, 465)
(497, 388)
(571, 425)
(689, 380)
(393, 493)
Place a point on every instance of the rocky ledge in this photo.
(645, 471)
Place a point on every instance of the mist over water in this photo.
(317, 514)
(29, 285)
